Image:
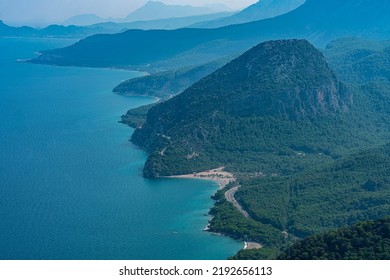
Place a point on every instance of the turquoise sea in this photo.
(71, 184)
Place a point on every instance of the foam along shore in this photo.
(218, 175)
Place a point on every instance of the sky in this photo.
(43, 12)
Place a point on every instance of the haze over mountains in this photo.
(84, 19)
(153, 15)
(261, 10)
(316, 20)
(153, 10)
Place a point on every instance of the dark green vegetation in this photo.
(363, 241)
(167, 84)
(360, 61)
(136, 117)
(261, 10)
(310, 152)
(351, 189)
(316, 20)
(227, 220)
(244, 116)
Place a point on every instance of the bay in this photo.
(71, 184)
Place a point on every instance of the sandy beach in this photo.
(218, 175)
(252, 245)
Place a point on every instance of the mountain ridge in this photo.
(154, 10)
(316, 20)
(261, 10)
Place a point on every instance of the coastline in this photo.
(222, 178)
(218, 175)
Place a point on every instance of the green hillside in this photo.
(167, 84)
(364, 241)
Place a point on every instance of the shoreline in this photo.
(217, 175)
(222, 178)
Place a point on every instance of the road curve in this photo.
(229, 195)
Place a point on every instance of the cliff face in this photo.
(288, 80)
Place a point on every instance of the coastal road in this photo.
(229, 195)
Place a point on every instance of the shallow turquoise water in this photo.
(70, 182)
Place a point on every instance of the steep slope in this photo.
(275, 82)
(364, 241)
(261, 10)
(316, 20)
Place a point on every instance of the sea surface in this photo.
(71, 184)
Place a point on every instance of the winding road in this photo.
(229, 195)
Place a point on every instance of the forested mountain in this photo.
(316, 20)
(364, 241)
(240, 107)
(261, 10)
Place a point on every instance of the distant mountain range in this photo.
(316, 20)
(57, 31)
(74, 31)
(261, 10)
(151, 11)
(83, 20)
(154, 10)
(153, 15)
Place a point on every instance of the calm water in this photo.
(70, 182)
